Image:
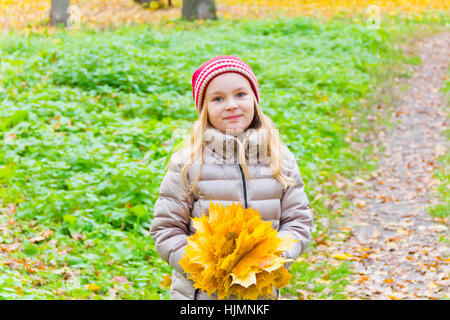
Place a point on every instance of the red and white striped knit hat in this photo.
(216, 66)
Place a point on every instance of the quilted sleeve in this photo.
(296, 218)
(172, 212)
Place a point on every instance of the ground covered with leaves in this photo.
(89, 119)
(33, 15)
(397, 249)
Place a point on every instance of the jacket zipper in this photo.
(245, 187)
(197, 291)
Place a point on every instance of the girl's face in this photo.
(229, 97)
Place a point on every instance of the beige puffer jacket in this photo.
(222, 181)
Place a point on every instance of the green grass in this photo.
(318, 281)
(89, 120)
(442, 210)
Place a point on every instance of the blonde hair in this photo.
(194, 145)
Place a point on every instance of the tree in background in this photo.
(198, 9)
(59, 12)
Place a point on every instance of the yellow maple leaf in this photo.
(234, 252)
(93, 286)
(166, 281)
(342, 256)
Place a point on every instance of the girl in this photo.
(234, 154)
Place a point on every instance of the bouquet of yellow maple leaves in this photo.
(234, 252)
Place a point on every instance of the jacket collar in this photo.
(227, 146)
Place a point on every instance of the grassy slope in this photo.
(443, 210)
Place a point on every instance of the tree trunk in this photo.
(59, 12)
(198, 9)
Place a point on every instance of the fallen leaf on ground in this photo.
(342, 256)
(363, 278)
(42, 236)
(93, 286)
(119, 279)
(404, 232)
(359, 203)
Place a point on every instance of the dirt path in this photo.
(395, 239)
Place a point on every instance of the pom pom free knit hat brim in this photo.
(215, 67)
